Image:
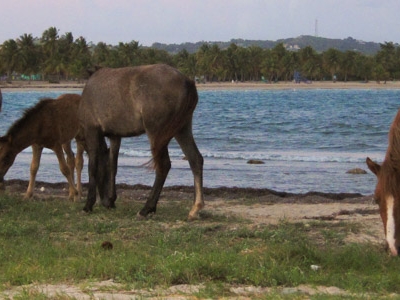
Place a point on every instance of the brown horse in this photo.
(387, 191)
(157, 100)
(49, 124)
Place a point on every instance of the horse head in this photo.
(7, 157)
(387, 191)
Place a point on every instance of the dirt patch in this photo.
(258, 206)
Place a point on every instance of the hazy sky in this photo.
(178, 21)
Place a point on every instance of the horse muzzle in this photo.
(393, 250)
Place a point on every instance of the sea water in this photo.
(307, 140)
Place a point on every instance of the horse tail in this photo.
(180, 119)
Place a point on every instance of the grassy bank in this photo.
(53, 241)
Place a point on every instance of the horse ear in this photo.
(92, 71)
(373, 166)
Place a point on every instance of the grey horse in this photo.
(155, 99)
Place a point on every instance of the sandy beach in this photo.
(74, 85)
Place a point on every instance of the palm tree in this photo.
(233, 62)
(310, 63)
(243, 62)
(364, 66)
(50, 41)
(101, 55)
(203, 62)
(290, 63)
(270, 66)
(186, 63)
(388, 59)
(380, 73)
(28, 55)
(154, 56)
(256, 56)
(9, 57)
(65, 49)
(348, 64)
(277, 63)
(129, 54)
(217, 63)
(331, 60)
(53, 63)
(81, 58)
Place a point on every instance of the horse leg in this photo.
(71, 165)
(188, 145)
(162, 165)
(80, 148)
(103, 167)
(65, 170)
(115, 143)
(36, 155)
(98, 161)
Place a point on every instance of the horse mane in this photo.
(28, 113)
(393, 151)
(390, 173)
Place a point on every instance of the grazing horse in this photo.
(387, 191)
(49, 124)
(157, 100)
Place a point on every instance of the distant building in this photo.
(292, 47)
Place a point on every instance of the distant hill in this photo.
(319, 44)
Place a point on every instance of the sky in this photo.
(180, 21)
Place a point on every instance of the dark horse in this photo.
(387, 191)
(157, 100)
(49, 124)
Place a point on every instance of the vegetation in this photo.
(320, 44)
(54, 57)
(52, 241)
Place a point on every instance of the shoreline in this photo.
(229, 193)
(74, 85)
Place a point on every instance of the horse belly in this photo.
(122, 126)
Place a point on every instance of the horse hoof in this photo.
(87, 209)
(139, 217)
(192, 218)
(110, 206)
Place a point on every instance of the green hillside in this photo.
(319, 44)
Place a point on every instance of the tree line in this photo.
(65, 58)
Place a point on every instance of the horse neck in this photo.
(21, 140)
(393, 151)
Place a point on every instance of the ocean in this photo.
(307, 140)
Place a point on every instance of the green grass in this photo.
(53, 241)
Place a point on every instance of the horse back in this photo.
(57, 121)
(131, 101)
